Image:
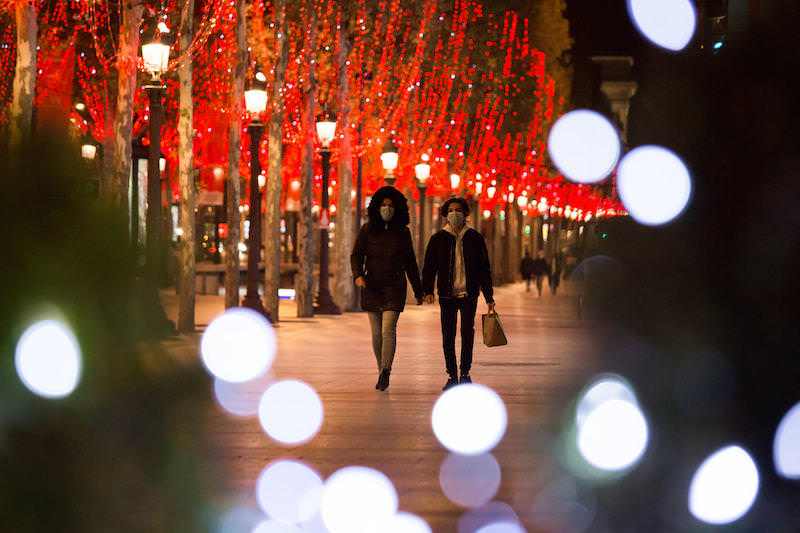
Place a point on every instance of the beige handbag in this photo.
(493, 334)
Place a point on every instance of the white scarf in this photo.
(459, 269)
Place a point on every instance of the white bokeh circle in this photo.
(724, 487)
(584, 146)
(604, 388)
(290, 411)
(653, 184)
(786, 447)
(404, 522)
(469, 419)
(357, 499)
(289, 491)
(48, 359)
(669, 24)
(613, 436)
(470, 480)
(241, 399)
(273, 526)
(238, 345)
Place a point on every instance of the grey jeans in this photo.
(384, 336)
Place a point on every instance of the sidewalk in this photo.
(549, 350)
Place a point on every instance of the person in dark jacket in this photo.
(540, 270)
(555, 273)
(526, 269)
(456, 258)
(382, 258)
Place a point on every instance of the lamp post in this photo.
(455, 180)
(255, 100)
(155, 56)
(389, 161)
(422, 172)
(326, 129)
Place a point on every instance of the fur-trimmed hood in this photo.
(399, 201)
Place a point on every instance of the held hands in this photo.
(429, 298)
(491, 306)
(360, 282)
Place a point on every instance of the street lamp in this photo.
(255, 100)
(326, 130)
(455, 180)
(422, 172)
(88, 151)
(155, 56)
(389, 160)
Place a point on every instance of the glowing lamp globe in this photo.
(255, 100)
(155, 57)
(88, 151)
(422, 172)
(326, 130)
(455, 179)
(389, 157)
(490, 191)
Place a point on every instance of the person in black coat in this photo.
(540, 270)
(457, 259)
(526, 269)
(382, 258)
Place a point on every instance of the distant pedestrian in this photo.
(526, 269)
(382, 258)
(555, 273)
(457, 260)
(540, 270)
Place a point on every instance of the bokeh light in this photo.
(469, 419)
(239, 520)
(501, 527)
(653, 184)
(724, 487)
(605, 388)
(273, 526)
(584, 146)
(669, 24)
(786, 448)
(357, 499)
(563, 505)
(48, 359)
(290, 411)
(470, 480)
(613, 436)
(242, 399)
(403, 522)
(289, 491)
(492, 513)
(238, 345)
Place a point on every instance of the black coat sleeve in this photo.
(410, 265)
(429, 267)
(359, 253)
(485, 271)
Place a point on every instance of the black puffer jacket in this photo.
(440, 259)
(384, 255)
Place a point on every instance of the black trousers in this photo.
(450, 308)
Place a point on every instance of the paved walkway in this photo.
(550, 350)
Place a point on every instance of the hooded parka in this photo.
(384, 255)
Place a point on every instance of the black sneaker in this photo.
(451, 382)
(465, 379)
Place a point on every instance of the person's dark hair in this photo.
(446, 206)
(398, 201)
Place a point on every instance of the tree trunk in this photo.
(272, 218)
(304, 286)
(21, 115)
(126, 85)
(343, 291)
(497, 246)
(186, 269)
(232, 267)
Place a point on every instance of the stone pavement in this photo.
(550, 353)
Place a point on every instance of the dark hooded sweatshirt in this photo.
(384, 255)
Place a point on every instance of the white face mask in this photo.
(387, 213)
(455, 218)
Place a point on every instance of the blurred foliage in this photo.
(119, 453)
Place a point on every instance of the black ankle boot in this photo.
(451, 382)
(383, 380)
